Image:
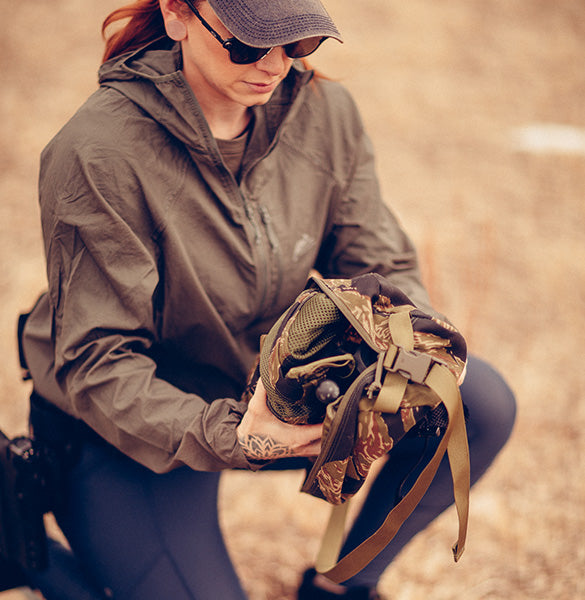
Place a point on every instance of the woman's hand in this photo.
(264, 437)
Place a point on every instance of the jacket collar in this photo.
(151, 77)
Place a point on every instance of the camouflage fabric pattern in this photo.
(291, 361)
(337, 329)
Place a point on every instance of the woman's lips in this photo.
(263, 87)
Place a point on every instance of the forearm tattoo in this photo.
(263, 447)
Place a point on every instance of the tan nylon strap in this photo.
(391, 394)
(394, 386)
(400, 327)
(323, 364)
(443, 383)
(333, 537)
(458, 452)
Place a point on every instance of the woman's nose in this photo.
(274, 62)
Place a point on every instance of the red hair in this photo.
(145, 25)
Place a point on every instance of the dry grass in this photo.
(442, 87)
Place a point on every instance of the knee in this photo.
(492, 411)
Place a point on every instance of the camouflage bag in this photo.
(359, 356)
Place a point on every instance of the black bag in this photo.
(32, 472)
(26, 474)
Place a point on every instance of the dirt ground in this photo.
(477, 113)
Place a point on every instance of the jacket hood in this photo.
(152, 78)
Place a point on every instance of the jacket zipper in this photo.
(272, 259)
(250, 216)
(267, 246)
(269, 257)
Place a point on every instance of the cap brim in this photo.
(268, 23)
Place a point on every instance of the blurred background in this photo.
(477, 113)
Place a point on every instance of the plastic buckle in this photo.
(412, 364)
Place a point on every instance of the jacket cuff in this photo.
(211, 443)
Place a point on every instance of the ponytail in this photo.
(145, 25)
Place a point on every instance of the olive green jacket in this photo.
(163, 270)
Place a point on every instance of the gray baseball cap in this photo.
(268, 23)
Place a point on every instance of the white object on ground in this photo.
(549, 138)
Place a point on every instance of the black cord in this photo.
(400, 493)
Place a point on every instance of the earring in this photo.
(176, 30)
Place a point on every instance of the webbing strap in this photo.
(442, 381)
(391, 394)
(400, 327)
(332, 538)
(394, 386)
(457, 450)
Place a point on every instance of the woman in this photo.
(183, 208)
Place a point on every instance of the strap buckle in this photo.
(411, 364)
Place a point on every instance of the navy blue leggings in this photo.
(137, 535)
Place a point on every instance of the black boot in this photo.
(309, 590)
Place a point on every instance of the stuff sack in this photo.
(359, 356)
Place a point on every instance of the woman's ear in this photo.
(174, 18)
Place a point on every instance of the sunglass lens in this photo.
(243, 54)
(304, 47)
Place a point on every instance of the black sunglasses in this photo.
(242, 54)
